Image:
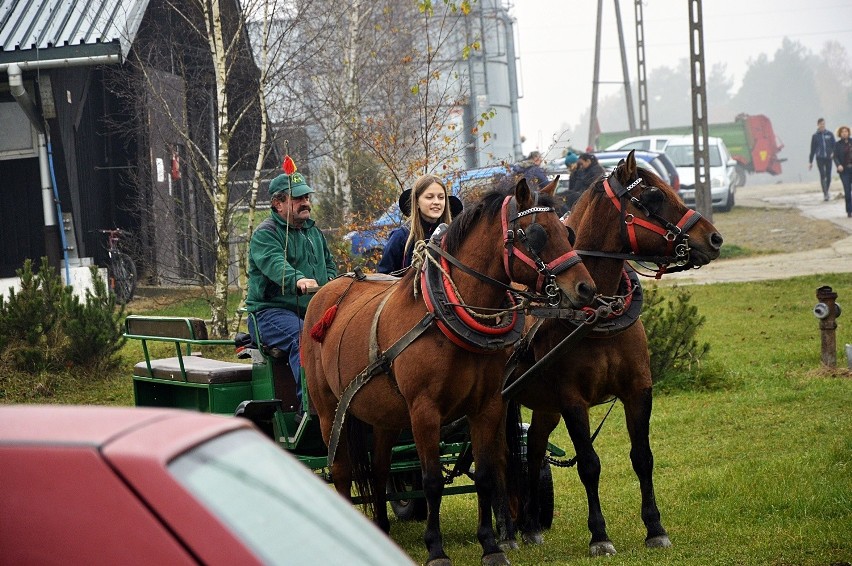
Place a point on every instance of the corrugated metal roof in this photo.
(49, 29)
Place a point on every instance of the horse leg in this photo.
(537, 436)
(637, 411)
(427, 436)
(589, 469)
(487, 436)
(383, 441)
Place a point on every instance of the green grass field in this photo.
(758, 471)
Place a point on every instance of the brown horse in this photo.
(630, 215)
(442, 374)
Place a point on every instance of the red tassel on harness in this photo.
(321, 327)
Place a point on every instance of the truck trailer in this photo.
(750, 139)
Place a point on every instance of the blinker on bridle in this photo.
(533, 240)
(676, 235)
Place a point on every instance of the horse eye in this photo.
(536, 237)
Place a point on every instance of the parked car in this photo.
(110, 485)
(679, 148)
(656, 162)
(645, 143)
(467, 185)
(723, 174)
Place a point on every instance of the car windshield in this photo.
(683, 155)
(283, 512)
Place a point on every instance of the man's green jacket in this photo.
(273, 273)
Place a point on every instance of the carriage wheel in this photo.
(546, 498)
(413, 509)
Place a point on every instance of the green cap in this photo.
(294, 183)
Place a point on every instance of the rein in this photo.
(676, 235)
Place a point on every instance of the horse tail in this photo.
(357, 436)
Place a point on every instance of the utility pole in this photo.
(593, 117)
(641, 77)
(628, 96)
(703, 201)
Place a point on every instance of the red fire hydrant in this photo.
(827, 311)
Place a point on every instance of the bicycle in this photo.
(121, 268)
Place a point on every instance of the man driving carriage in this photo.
(288, 255)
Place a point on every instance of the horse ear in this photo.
(522, 194)
(550, 188)
(626, 170)
(631, 164)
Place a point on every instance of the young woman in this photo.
(843, 160)
(431, 197)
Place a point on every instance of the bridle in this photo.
(532, 241)
(676, 235)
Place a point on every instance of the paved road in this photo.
(808, 198)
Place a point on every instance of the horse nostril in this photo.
(586, 292)
(716, 240)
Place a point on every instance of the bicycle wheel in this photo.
(123, 277)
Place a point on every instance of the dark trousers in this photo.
(280, 328)
(846, 179)
(824, 166)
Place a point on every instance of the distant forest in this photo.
(793, 88)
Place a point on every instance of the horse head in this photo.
(538, 251)
(654, 224)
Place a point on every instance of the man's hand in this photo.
(305, 285)
(810, 165)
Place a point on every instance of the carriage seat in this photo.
(195, 370)
(186, 379)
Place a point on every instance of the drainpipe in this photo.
(54, 235)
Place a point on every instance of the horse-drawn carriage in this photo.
(411, 354)
(264, 392)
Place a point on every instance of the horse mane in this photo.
(488, 207)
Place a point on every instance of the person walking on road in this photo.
(822, 148)
(843, 160)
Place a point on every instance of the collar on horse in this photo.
(677, 250)
(452, 318)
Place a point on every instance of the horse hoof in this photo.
(495, 559)
(661, 541)
(533, 538)
(507, 545)
(440, 562)
(604, 548)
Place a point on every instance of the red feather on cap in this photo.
(289, 166)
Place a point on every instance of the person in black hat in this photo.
(431, 199)
(585, 173)
(288, 255)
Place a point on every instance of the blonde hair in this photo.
(416, 231)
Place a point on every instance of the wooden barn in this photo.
(97, 101)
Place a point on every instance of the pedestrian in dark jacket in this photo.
(843, 160)
(288, 255)
(822, 148)
(586, 172)
(531, 170)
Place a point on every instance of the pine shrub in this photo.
(672, 326)
(44, 327)
(93, 327)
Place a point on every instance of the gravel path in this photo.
(807, 198)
